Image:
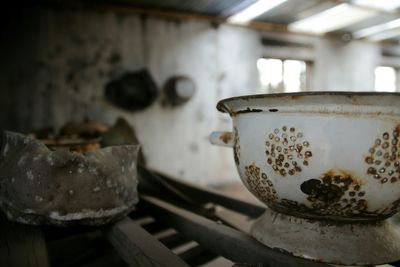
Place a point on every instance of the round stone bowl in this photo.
(63, 188)
(331, 156)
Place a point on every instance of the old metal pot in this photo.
(327, 164)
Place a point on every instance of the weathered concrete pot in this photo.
(39, 186)
(328, 163)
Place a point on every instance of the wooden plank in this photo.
(54, 233)
(198, 194)
(105, 259)
(139, 248)
(173, 240)
(170, 14)
(21, 245)
(197, 256)
(223, 240)
(234, 219)
(78, 249)
(154, 227)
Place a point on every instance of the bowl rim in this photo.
(223, 107)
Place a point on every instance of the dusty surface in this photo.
(39, 186)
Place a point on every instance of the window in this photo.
(385, 79)
(277, 75)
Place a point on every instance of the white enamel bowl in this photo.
(323, 154)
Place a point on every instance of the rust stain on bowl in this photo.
(236, 146)
(259, 184)
(296, 97)
(244, 111)
(287, 150)
(338, 193)
(395, 206)
(226, 137)
(383, 157)
(331, 187)
(346, 173)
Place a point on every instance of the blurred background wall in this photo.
(56, 63)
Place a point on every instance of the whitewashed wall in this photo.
(56, 63)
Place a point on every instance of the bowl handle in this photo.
(222, 138)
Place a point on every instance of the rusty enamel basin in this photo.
(321, 156)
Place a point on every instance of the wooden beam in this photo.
(21, 245)
(197, 256)
(221, 239)
(139, 248)
(187, 16)
(198, 194)
(159, 13)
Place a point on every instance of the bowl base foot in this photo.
(330, 242)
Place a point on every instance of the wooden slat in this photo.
(234, 219)
(198, 194)
(154, 227)
(104, 260)
(139, 248)
(173, 240)
(78, 250)
(21, 245)
(160, 13)
(54, 233)
(221, 239)
(198, 256)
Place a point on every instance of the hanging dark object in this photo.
(132, 91)
(178, 90)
